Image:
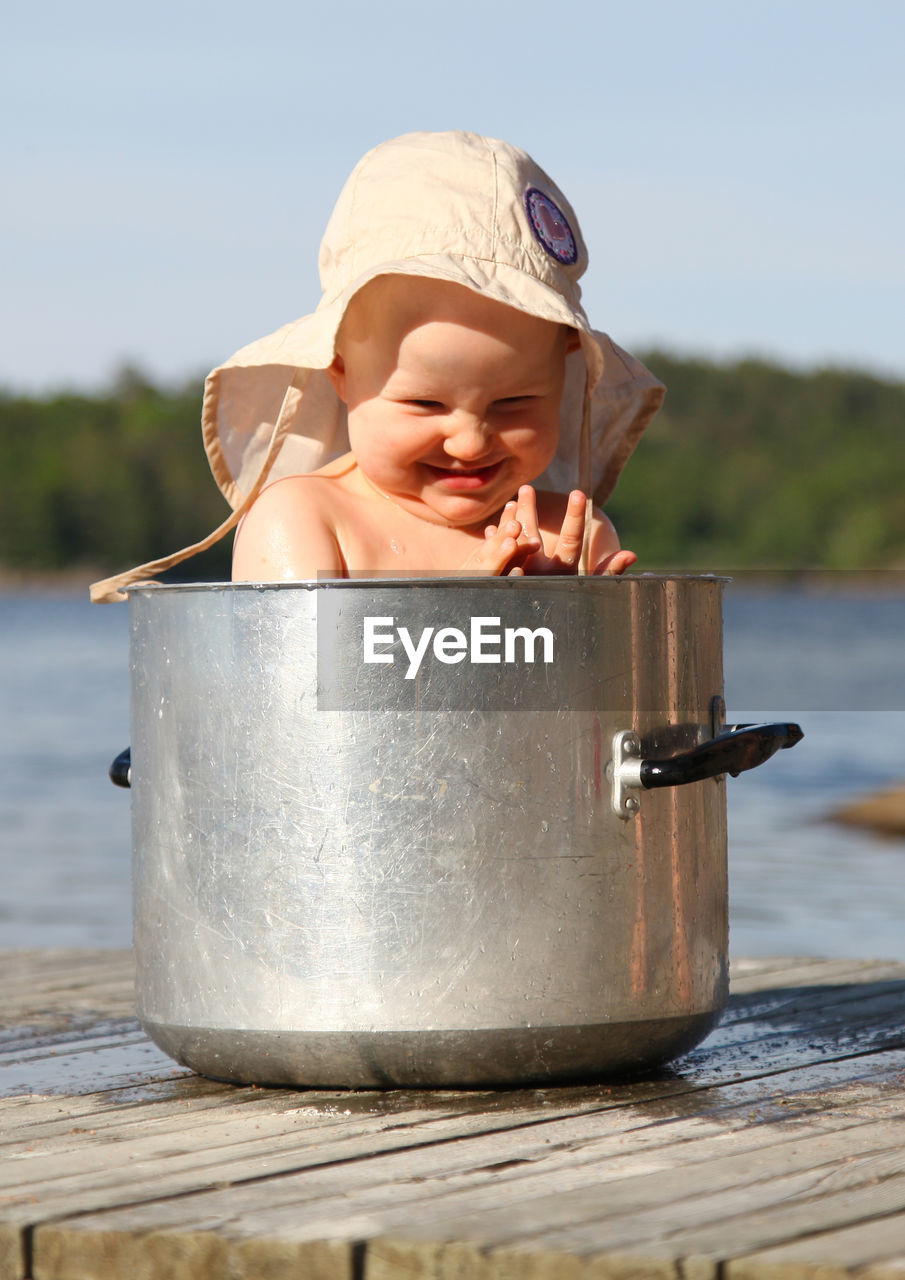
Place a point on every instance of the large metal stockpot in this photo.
(359, 863)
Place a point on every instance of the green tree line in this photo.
(748, 465)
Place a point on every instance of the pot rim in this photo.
(481, 581)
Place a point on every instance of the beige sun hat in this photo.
(451, 206)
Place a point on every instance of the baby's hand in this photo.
(502, 545)
(616, 562)
(567, 553)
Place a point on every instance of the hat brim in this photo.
(243, 397)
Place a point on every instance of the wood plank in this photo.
(190, 1256)
(106, 1063)
(749, 1217)
(129, 1161)
(694, 1237)
(746, 976)
(14, 1262)
(791, 1094)
(66, 980)
(454, 1184)
(873, 1250)
(645, 1238)
(810, 1052)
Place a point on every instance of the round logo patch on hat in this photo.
(550, 226)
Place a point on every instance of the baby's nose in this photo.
(469, 438)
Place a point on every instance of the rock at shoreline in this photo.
(883, 811)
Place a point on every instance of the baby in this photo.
(453, 405)
(448, 407)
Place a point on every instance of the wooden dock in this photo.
(775, 1151)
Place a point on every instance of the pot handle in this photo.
(738, 748)
(121, 769)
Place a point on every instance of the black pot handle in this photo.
(735, 749)
(738, 748)
(121, 769)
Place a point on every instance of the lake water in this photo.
(799, 884)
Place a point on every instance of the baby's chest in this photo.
(397, 547)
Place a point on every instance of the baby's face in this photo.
(453, 399)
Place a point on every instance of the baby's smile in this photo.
(460, 478)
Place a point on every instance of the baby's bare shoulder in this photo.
(292, 493)
(333, 475)
(290, 530)
(302, 497)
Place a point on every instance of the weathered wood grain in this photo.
(771, 973)
(875, 1249)
(64, 982)
(783, 1130)
(383, 1194)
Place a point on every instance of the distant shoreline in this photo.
(47, 581)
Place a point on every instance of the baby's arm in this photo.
(284, 537)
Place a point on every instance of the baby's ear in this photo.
(573, 340)
(336, 372)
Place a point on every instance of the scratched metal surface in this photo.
(383, 867)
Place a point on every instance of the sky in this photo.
(737, 168)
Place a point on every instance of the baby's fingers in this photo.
(508, 513)
(571, 535)
(530, 543)
(526, 511)
(615, 563)
(496, 551)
